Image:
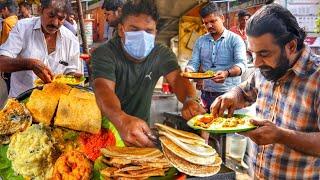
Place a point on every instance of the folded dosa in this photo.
(80, 93)
(42, 106)
(198, 150)
(56, 89)
(78, 114)
(131, 152)
(186, 155)
(190, 168)
(179, 132)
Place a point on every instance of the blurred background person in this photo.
(71, 23)
(112, 13)
(25, 10)
(8, 12)
(239, 29)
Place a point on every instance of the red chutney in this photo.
(92, 143)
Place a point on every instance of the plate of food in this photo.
(64, 79)
(198, 75)
(207, 122)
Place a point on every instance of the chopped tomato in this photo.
(92, 143)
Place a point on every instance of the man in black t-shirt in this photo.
(126, 70)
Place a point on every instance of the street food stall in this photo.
(57, 131)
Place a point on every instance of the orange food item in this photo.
(206, 119)
(92, 143)
(72, 165)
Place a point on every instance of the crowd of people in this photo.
(125, 70)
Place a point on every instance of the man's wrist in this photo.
(189, 98)
(228, 73)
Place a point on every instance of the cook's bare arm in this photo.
(8, 64)
(186, 94)
(132, 129)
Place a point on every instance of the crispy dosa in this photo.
(190, 168)
(186, 155)
(179, 132)
(78, 114)
(193, 149)
(80, 93)
(131, 152)
(56, 89)
(42, 106)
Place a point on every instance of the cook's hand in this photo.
(191, 108)
(41, 70)
(135, 132)
(220, 76)
(266, 133)
(227, 101)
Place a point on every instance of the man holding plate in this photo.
(220, 51)
(286, 89)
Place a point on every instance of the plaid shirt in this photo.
(293, 102)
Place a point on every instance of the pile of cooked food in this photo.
(64, 106)
(14, 117)
(64, 140)
(237, 123)
(188, 152)
(133, 163)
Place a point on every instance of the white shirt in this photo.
(27, 40)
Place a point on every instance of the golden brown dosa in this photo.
(156, 172)
(186, 155)
(131, 152)
(78, 114)
(179, 132)
(190, 168)
(56, 89)
(198, 150)
(80, 93)
(42, 106)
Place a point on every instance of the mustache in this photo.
(52, 26)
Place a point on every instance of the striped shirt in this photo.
(293, 102)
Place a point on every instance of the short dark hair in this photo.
(243, 13)
(25, 4)
(147, 7)
(112, 5)
(60, 5)
(279, 22)
(10, 5)
(210, 8)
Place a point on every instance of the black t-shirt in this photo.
(135, 82)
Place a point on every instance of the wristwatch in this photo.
(228, 72)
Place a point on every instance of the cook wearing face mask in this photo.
(126, 70)
(138, 44)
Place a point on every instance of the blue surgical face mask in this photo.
(138, 44)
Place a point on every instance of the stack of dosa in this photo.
(69, 107)
(188, 152)
(134, 163)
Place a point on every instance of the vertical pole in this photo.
(83, 36)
